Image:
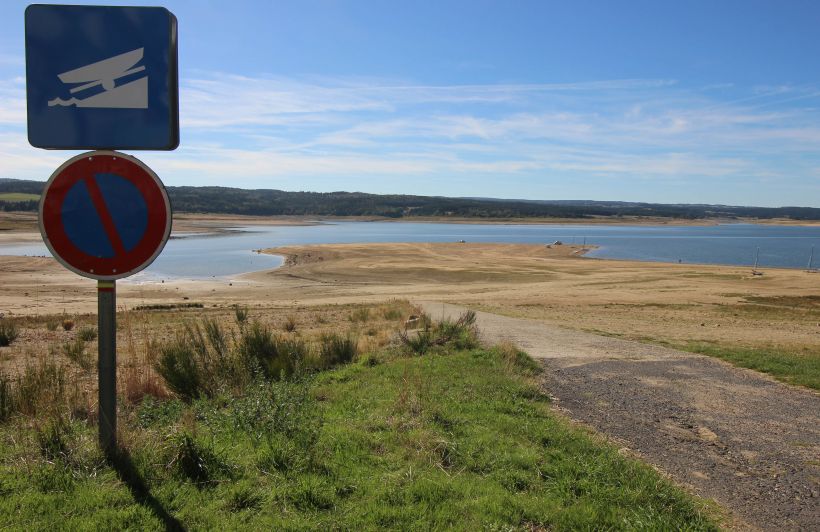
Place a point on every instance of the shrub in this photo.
(195, 461)
(392, 312)
(241, 315)
(87, 334)
(271, 356)
(41, 388)
(68, 325)
(8, 403)
(139, 381)
(420, 342)
(335, 349)
(8, 332)
(243, 497)
(75, 351)
(461, 334)
(360, 315)
(198, 362)
(53, 440)
(178, 366)
(52, 325)
(290, 324)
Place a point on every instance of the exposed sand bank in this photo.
(634, 299)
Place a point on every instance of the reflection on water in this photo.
(227, 255)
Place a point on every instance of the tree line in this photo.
(268, 202)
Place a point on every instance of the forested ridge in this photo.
(268, 202)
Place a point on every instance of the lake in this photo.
(201, 257)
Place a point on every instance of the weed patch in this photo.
(459, 334)
(75, 351)
(336, 349)
(87, 334)
(8, 332)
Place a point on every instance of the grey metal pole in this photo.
(107, 363)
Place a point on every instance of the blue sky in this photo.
(661, 101)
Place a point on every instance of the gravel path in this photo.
(729, 434)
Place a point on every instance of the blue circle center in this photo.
(122, 201)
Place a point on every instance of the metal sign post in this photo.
(107, 363)
(104, 78)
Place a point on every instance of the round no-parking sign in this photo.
(105, 215)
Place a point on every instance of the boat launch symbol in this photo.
(105, 73)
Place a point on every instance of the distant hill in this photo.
(267, 202)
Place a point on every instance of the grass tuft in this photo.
(271, 356)
(42, 388)
(8, 401)
(290, 324)
(196, 461)
(75, 351)
(240, 315)
(8, 332)
(459, 334)
(360, 315)
(87, 334)
(336, 349)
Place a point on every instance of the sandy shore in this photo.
(676, 303)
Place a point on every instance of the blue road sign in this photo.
(101, 77)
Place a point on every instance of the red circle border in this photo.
(137, 173)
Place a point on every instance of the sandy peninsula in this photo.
(638, 300)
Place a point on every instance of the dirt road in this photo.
(729, 434)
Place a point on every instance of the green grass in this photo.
(459, 441)
(18, 196)
(788, 366)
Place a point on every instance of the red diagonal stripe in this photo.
(105, 216)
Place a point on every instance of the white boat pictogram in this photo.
(131, 95)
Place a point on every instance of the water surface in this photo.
(227, 255)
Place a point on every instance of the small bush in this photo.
(419, 342)
(271, 356)
(460, 334)
(41, 388)
(87, 334)
(195, 461)
(52, 325)
(8, 332)
(139, 382)
(75, 351)
(198, 362)
(8, 403)
(241, 315)
(243, 497)
(335, 349)
(53, 440)
(178, 366)
(392, 313)
(360, 315)
(290, 324)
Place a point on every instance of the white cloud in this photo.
(635, 131)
